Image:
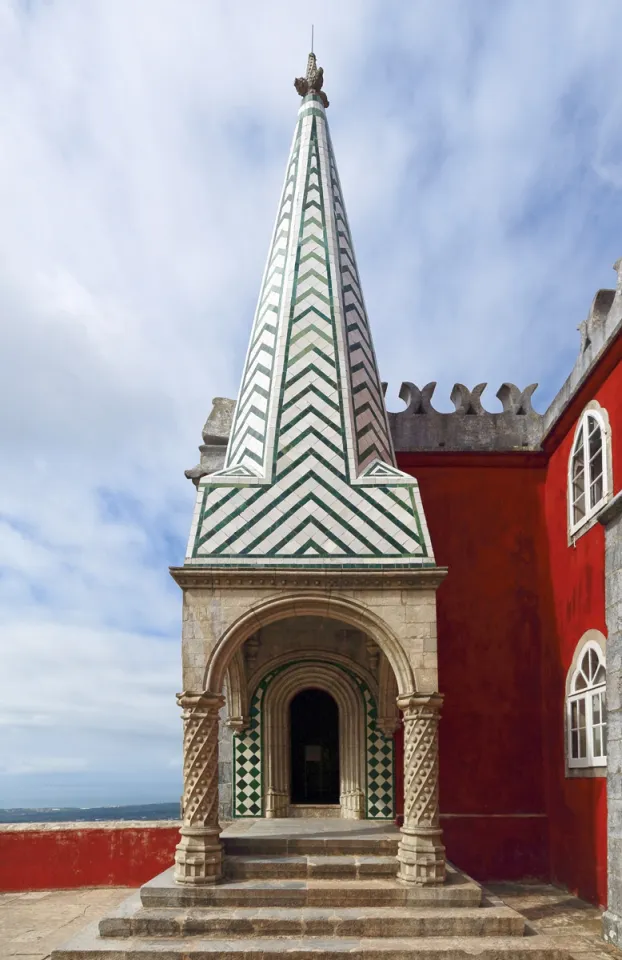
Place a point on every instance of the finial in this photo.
(314, 79)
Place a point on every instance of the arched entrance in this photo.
(314, 748)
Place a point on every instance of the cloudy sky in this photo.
(142, 146)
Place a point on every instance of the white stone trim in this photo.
(600, 414)
(591, 639)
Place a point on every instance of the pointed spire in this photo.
(310, 477)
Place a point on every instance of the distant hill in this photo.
(138, 811)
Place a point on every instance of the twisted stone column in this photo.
(198, 858)
(421, 853)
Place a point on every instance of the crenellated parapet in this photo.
(470, 427)
(419, 427)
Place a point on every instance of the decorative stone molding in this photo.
(236, 690)
(215, 439)
(327, 656)
(327, 580)
(388, 713)
(276, 736)
(421, 853)
(198, 859)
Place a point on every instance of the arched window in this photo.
(587, 710)
(589, 468)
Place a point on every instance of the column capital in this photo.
(416, 704)
(203, 702)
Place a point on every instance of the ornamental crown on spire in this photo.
(313, 82)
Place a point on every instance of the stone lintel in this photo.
(230, 578)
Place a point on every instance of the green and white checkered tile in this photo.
(380, 782)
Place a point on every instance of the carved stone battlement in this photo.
(469, 427)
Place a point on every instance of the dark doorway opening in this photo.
(314, 725)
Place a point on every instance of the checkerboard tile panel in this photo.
(380, 780)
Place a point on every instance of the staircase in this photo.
(295, 890)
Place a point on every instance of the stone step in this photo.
(89, 946)
(383, 844)
(494, 919)
(317, 867)
(458, 891)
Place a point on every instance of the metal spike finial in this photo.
(313, 81)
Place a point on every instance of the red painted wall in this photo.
(484, 514)
(515, 604)
(577, 807)
(45, 858)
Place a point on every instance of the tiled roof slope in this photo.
(310, 477)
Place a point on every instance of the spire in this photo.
(310, 477)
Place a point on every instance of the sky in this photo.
(142, 149)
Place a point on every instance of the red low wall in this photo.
(47, 856)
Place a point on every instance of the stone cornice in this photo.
(230, 578)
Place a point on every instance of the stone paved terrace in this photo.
(33, 924)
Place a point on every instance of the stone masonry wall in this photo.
(611, 519)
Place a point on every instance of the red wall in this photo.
(484, 514)
(46, 858)
(577, 807)
(515, 604)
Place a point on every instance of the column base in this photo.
(612, 927)
(421, 856)
(277, 804)
(198, 857)
(352, 805)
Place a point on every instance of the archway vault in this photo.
(343, 609)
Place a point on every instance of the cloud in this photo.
(142, 147)
(46, 765)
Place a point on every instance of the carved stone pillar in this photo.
(421, 853)
(198, 858)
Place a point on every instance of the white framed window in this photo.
(589, 470)
(586, 708)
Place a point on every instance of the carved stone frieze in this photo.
(195, 577)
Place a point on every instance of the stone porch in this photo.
(325, 888)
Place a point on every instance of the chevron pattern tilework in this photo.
(310, 478)
(247, 755)
(371, 427)
(248, 434)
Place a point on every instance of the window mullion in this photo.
(589, 729)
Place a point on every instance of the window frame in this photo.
(581, 438)
(586, 696)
